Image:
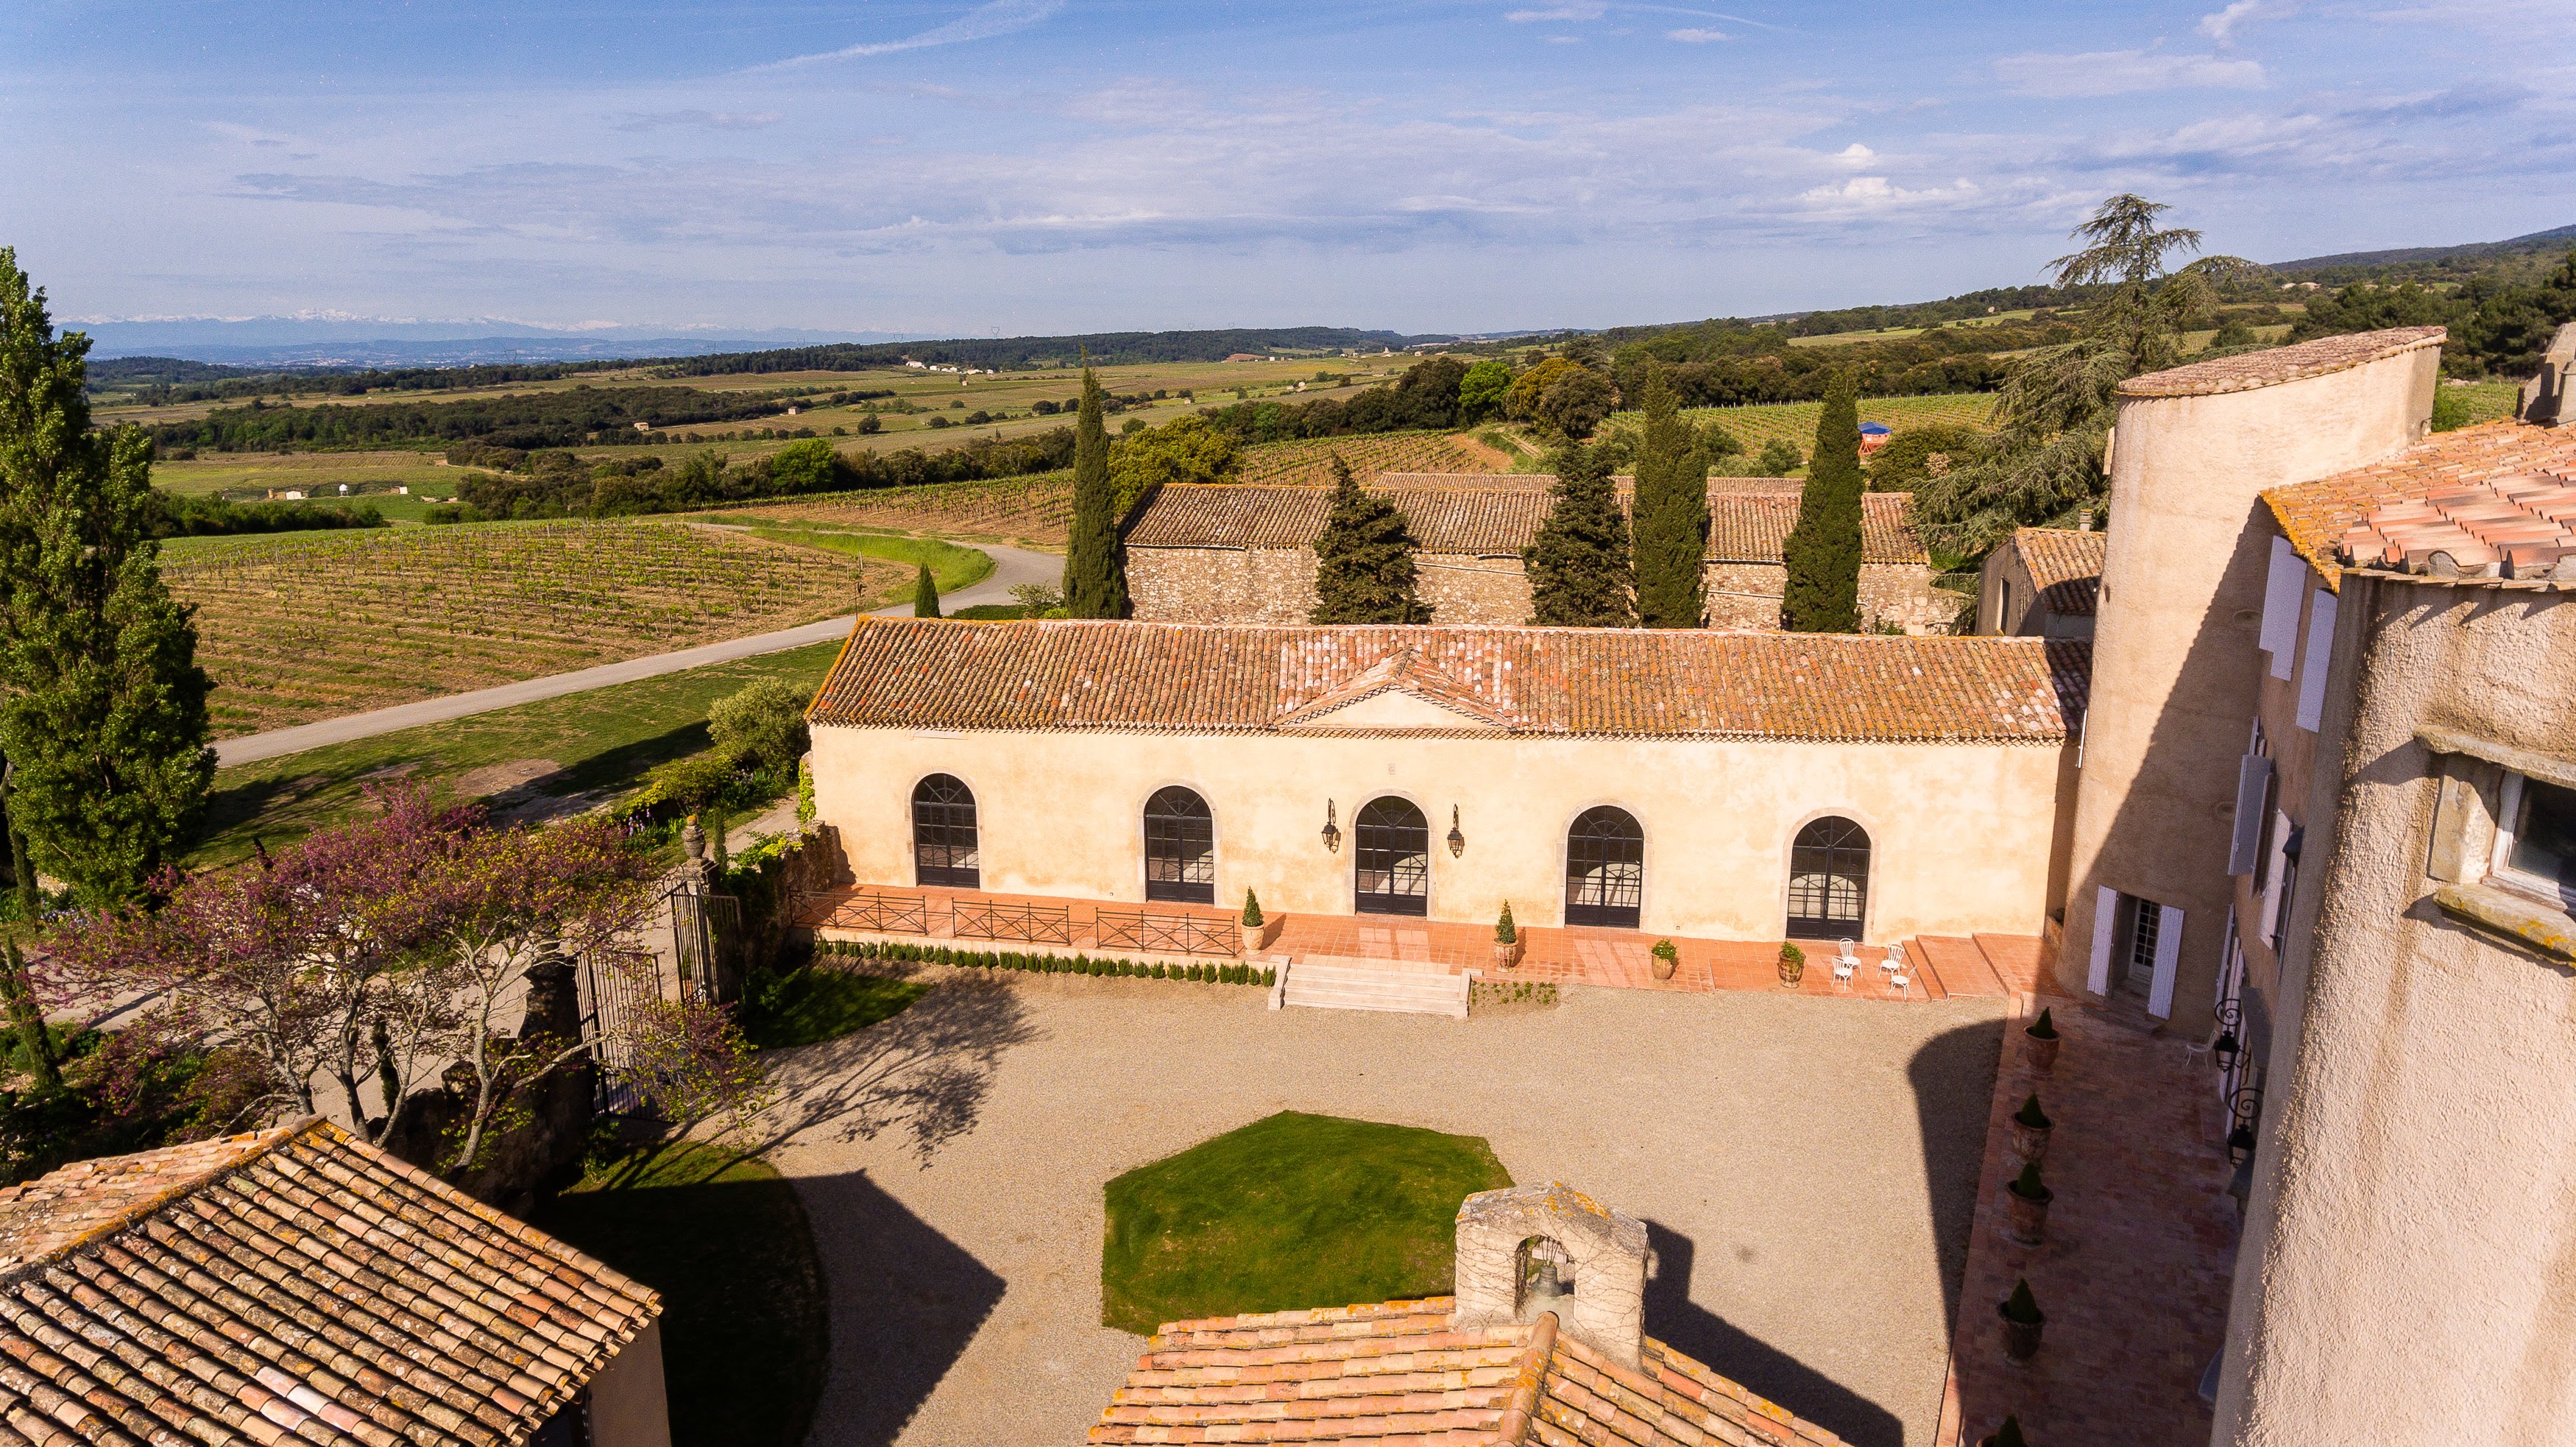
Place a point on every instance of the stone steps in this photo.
(1360, 987)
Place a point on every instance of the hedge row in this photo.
(1214, 974)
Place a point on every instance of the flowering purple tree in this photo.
(385, 953)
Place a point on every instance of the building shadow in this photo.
(1953, 1076)
(904, 1302)
(923, 1074)
(1761, 1368)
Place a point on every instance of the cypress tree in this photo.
(1364, 559)
(1095, 566)
(925, 595)
(1672, 513)
(102, 704)
(1579, 569)
(1823, 550)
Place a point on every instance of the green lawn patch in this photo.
(951, 566)
(811, 1003)
(992, 612)
(1295, 1210)
(593, 742)
(745, 1335)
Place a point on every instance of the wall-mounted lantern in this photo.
(1332, 831)
(1457, 841)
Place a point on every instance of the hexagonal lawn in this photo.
(1293, 1210)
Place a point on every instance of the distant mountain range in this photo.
(338, 342)
(2429, 263)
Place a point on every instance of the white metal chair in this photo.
(1844, 963)
(1899, 976)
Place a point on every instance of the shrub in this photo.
(1779, 458)
(764, 723)
(2043, 1028)
(1158, 972)
(1667, 951)
(1251, 910)
(1790, 954)
(2031, 1115)
(2028, 1185)
(1506, 932)
(2021, 1306)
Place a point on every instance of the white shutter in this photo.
(2272, 877)
(2168, 954)
(2281, 605)
(2106, 908)
(2253, 779)
(2312, 668)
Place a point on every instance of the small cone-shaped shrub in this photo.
(2007, 1435)
(2045, 1027)
(2031, 1115)
(2021, 1306)
(2028, 1185)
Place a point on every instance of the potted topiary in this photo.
(1507, 940)
(2030, 1128)
(2039, 1043)
(2026, 1200)
(2022, 1322)
(2007, 1435)
(1253, 925)
(1666, 958)
(1793, 965)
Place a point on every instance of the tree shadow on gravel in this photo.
(924, 1073)
(904, 1302)
(1761, 1368)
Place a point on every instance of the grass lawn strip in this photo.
(1290, 1211)
(812, 1004)
(590, 745)
(951, 566)
(745, 1334)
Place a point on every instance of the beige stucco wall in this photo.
(1961, 833)
(2174, 660)
(627, 1405)
(2409, 1267)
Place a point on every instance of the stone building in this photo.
(2044, 582)
(1545, 1342)
(1692, 782)
(1244, 553)
(295, 1285)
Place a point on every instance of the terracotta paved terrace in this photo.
(1939, 966)
(2134, 1269)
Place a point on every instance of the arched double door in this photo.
(1605, 868)
(1829, 880)
(1180, 847)
(946, 852)
(1391, 858)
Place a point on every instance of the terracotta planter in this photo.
(2026, 1217)
(1507, 956)
(1663, 965)
(2021, 1338)
(1791, 972)
(2040, 1050)
(1253, 935)
(2029, 1144)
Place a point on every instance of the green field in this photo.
(1796, 421)
(1293, 1210)
(302, 626)
(581, 749)
(746, 1333)
(951, 566)
(814, 1003)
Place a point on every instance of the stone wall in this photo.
(1747, 595)
(1221, 585)
(1474, 590)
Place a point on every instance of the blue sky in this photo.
(1050, 165)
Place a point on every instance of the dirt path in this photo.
(1011, 567)
(1808, 1169)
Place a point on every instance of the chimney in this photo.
(2084, 519)
(1532, 1250)
(2544, 397)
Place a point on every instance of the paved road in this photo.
(1011, 567)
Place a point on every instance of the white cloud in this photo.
(1855, 154)
(2119, 72)
(1558, 12)
(708, 120)
(1695, 35)
(1872, 195)
(996, 17)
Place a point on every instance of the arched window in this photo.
(1180, 847)
(944, 854)
(1393, 859)
(1605, 868)
(1828, 880)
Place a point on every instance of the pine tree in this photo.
(102, 705)
(1364, 559)
(925, 595)
(1672, 513)
(1579, 570)
(1823, 550)
(1095, 566)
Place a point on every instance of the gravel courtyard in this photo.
(1807, 1167)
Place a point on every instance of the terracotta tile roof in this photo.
(2272, 366)
(2492, 499)
(1250, 678)
(1397, 1373)
(291, 1285)
(1497, 522)
(2065, 565)
(1750, 527)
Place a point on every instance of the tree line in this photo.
(1106, 349)
(584, 416)
(160, 381)
(555, 484)
(2498, 326)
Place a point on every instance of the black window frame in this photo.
(1402, 852)
(1609, 867)
(936, 834)
(1180, 846)
(1835, 849)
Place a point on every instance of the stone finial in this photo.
(1503, 1236)
(693, 840)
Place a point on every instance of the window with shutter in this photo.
(2280, 633)
(2312, 668)
(2253, 789)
